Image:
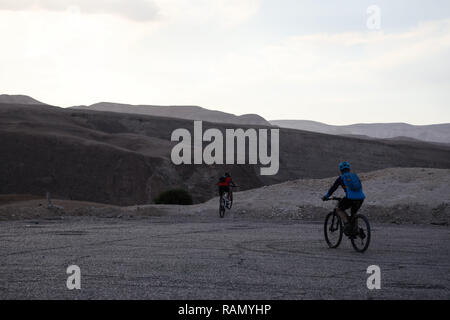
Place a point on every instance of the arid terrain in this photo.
(124, 159)
(395, 195)
(180, 112)
(213, 258)
(438, 133)
(269, 246)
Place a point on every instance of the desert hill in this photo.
(124, 159)
(18, 99)
(431, 133)
(414, 195)
(182, 112)
(394, 195)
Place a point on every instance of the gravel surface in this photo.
(207, 257)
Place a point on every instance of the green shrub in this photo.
(174, 196)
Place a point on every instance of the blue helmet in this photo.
(344, 166)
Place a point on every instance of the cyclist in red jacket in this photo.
(224, 184)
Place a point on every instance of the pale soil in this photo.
(402, 195)
(264, 248)
(396, 195)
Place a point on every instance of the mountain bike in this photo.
(334, 229)
(226, 201)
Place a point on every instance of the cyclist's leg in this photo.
(227, 190)
(356, 205)
(341, 207)
(343, 215)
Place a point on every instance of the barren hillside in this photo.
(18, 99)
(432, 133)
(181, 112)
(415, 195)
(124, 159)
(395, 195)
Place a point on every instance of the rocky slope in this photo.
(181, 112)
(18, 99)
(432, 133)
(395, 195)
(124, 159)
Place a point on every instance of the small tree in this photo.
(174, 196)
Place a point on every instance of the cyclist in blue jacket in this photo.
(354, 195)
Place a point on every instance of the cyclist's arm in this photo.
(334, 187)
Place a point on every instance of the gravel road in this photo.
(213, 258)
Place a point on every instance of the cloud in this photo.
(196, 54)
(373, 75)
(225, 13)
(136, 10)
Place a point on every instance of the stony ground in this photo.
(230, 258)
(269, 246)
(397, 195)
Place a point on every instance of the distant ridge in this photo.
(430, 133)
(435, 133)
(182, 112)
(18, 99)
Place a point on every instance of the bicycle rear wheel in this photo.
(361, 241)
(222, 207)
(333, 230)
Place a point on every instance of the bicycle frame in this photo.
(334, 225)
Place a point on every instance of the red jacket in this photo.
(225, 183)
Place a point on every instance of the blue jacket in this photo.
(348, 181)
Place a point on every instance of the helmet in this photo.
(344, 165)
(227, 174)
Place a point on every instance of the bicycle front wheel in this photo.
(333, 230)
(361, 240)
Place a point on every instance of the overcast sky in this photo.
(282, 59)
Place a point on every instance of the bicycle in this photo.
(334, 229)
(226, 201)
